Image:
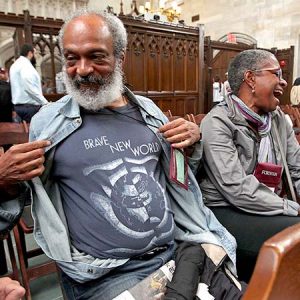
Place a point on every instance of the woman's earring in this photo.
(253, 90)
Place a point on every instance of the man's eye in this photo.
(70, 58)
(98, 57)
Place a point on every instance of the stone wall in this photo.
(271, 23)
(96, 4)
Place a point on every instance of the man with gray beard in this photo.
(105, 209)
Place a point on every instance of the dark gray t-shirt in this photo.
(112, 185)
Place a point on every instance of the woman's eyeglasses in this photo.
(276, 71)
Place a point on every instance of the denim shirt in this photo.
(194, 221)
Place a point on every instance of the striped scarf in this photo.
(263, 124)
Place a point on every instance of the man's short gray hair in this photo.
(246, 60)
(114, 24)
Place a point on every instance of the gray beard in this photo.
(92, 100)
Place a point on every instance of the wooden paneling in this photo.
(153, 63)
(135, 63)
(221, 62)
(164, 64)
(286, 61)
(192, 84)
(167, 67)
(171, 64)
(218, 56)
(162, 60)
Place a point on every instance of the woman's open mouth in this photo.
(278, 93)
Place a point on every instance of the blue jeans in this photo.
(116, 281)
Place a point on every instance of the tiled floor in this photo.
(46, 287)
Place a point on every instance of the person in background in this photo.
(108, 167)
(217, 90)
(226, 86)
(295, 92)
(6, 106)
(243, 164)
(26, 87)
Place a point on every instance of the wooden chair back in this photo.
(168, 113)
(197, 119)
(13, 133)
(276, 273)
(170, 116)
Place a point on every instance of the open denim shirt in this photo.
(193, 220)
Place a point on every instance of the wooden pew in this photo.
(276, 273)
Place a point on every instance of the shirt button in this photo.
(90, 271)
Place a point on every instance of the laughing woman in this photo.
(250, 155)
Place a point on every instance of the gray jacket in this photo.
(194, 221)
(230, 150)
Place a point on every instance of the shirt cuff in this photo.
(290, 208)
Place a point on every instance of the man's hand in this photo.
(181, 133)
(10, 289)
(22, 162)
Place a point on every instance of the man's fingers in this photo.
(19, 164)
(18, 159)
(181, 145)
(32, 164)
(27, 147)
(182, 129)
(178, 137)
(171, 125)
(1, 151)
(32, 170)
(14, 291)
(33, 173)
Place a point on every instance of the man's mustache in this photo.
(89, 79)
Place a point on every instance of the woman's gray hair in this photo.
(246, 60)
(114, 24)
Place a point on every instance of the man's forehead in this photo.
(87, 22)
(85, 30)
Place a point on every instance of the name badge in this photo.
(179, 168)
